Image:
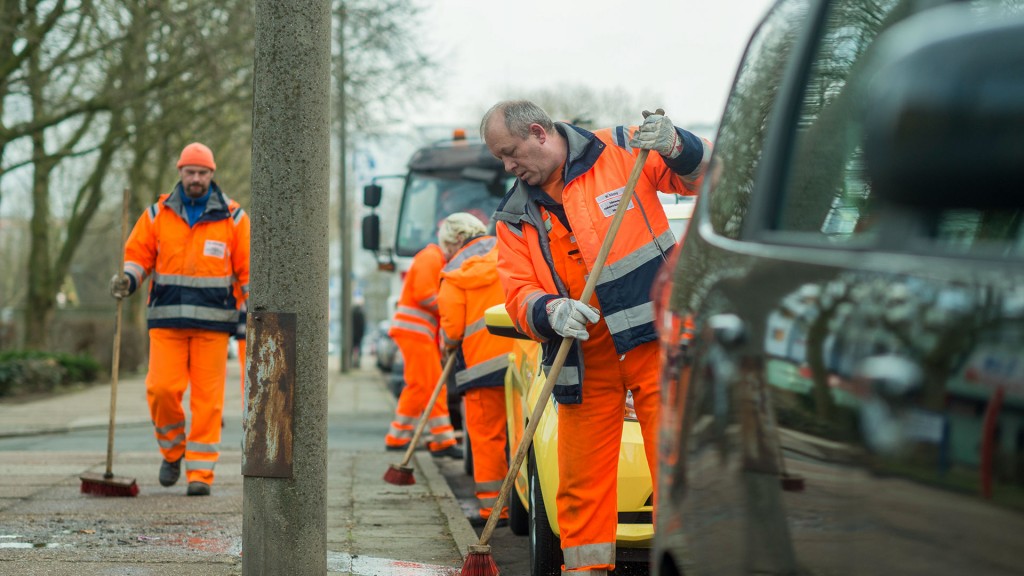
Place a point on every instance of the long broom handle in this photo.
(563, 350)
(115, 361)
(426, 411)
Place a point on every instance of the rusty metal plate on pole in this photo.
(269, 395)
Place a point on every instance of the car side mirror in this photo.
(371, 195)
(500, 323)
(944, 105)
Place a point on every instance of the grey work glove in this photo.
(659, 134)
(120, 286)
(570, 317)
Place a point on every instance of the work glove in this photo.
(120, 286)
(659, 134)
(447, 351)
(570, 317)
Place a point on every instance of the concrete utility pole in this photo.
(285, 457)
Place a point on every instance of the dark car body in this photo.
(843, 328)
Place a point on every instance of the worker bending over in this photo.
(550, 229)
(469, 286)
(414, 330)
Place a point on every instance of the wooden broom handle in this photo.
(115, 361)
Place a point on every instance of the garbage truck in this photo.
(457, 174)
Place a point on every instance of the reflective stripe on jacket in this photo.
(197, 270)
(469, 286)
(595, 174)
(416, 315)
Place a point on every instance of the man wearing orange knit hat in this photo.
(194, 242)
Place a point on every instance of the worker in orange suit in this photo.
(414, 330)
(550, 228)
(194, 243)
(469, 286)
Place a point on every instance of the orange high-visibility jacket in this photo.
(595, 174)
(416, 315)
(469, 286)
(197, 270)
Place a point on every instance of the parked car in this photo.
(843, 329)
(532, 508)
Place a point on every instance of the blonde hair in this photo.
(456, 229)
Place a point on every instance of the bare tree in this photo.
(386, 69)
(98, 76)
(105, 93)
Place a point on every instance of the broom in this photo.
(479, 561)
(107, 484)
(401, 474)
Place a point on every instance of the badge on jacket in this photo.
(609, 201)
(215, 249)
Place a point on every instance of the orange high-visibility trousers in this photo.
(589, 438)
(178, 357)
(485, 422)
(422, 371)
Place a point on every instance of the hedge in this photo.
(32, 372)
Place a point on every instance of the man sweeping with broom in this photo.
(195, 244)
(551, 228)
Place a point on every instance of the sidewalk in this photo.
(373, 528)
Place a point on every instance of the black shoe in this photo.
(453, 452)
(198, 489)
(170, 472)
(478, 521)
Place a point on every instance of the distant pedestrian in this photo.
(358, 331)
(194, 242)
(239, 336)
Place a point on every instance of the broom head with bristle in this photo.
(108, 485)
(399, 475)
(479, 562)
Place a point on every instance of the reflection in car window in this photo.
(826, 194)
(744, 125)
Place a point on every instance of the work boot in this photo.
(453, 452)
(198, 489)
(170, 472)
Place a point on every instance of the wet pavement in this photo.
(48, 527)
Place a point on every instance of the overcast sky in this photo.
(681, 53)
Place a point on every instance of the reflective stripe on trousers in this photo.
(587, 492)
(422, 371)
(178, 357)
(485, 423)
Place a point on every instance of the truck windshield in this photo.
(430, 198)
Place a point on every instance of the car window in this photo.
(825, 197)
(740, 140)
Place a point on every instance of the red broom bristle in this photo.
(100, 489)
(399, 476)
(479, 562)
